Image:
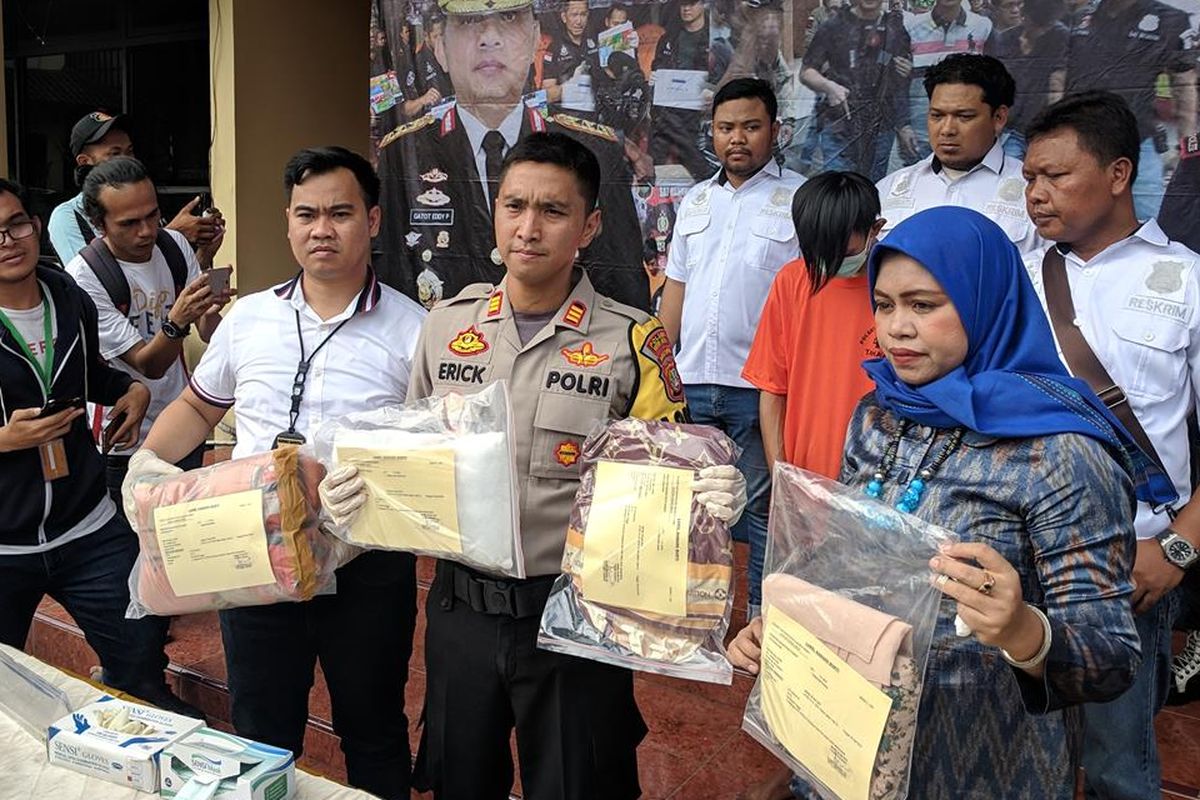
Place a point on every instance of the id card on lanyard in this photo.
(53, 453)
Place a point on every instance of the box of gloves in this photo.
(117, 741)
(211, 765)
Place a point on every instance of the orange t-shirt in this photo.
(811, 348)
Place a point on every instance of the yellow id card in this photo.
(825, 714)
(215, 544)
(635, 546)
(413, 504)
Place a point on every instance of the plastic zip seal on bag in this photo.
(641, 593)
(848, 619)
(440, 476)
(30, 699)
(193, 559)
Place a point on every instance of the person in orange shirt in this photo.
(817, 327)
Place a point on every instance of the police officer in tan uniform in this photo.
(573, 359)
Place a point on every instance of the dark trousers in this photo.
(577, 723)
(90, 578)
(117, 467)
(363, 638)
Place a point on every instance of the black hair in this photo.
(321, 160)
(739, 88)
(18, 191)
(1103, 124)
(562, 151)
(114, 173)
(974, 69)
(826, 211)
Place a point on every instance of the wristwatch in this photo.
(1178, 550)
(173, 331)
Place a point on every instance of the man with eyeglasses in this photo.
(60, 534)
(440, 171)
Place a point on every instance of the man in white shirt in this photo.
(969, 98)
(733, 234)
(1136, 297)
(144, 338)
(949, 27)
(345, 342)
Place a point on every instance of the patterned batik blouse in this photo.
(1060, 510)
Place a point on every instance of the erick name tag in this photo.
(54, 460)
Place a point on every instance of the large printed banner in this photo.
(456, 82)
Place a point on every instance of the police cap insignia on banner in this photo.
(481, 6)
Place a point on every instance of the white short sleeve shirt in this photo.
(727, 246)
(995, 188)
(151, 295)
(251, 362)
(1138, 305)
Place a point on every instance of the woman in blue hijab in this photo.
(976, 426)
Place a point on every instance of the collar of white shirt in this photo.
(993, 161)
(1149, 232)
(293, 292)
(770, 171)
(510, 128)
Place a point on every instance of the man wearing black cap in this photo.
(439, 171)
(95, 139)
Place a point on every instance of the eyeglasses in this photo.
(21, 230)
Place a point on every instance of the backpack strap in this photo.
(175, 259)
(104, 264)
(85, 227)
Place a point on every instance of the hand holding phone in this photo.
(218, 279)
(114, 425)
(57, 404)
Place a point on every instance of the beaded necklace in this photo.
(911, 498)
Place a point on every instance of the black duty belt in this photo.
(509, 597)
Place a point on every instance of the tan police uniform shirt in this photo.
(596, 360)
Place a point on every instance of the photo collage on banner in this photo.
(456, 82)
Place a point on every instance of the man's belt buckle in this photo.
(498, 598)
(1112, 397)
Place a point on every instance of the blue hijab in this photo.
(1012, 384)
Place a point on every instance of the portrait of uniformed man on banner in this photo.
(439, 169)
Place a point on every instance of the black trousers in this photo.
(363, 637)
(678, 130)
(577, 723)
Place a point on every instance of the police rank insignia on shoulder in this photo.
(406, 128)
(586, 126)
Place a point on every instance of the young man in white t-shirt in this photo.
(146, 339)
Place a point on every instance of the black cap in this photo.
(92, 128)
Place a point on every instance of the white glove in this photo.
(142, 464)
(343, 494)
(722, 492)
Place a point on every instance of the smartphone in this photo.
(218, 279)
(56, 404)
(204, 206)
(110, 429)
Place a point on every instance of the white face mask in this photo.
(851, 265)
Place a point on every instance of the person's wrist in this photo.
(1030, 639)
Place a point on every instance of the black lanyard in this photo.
(291, 435)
